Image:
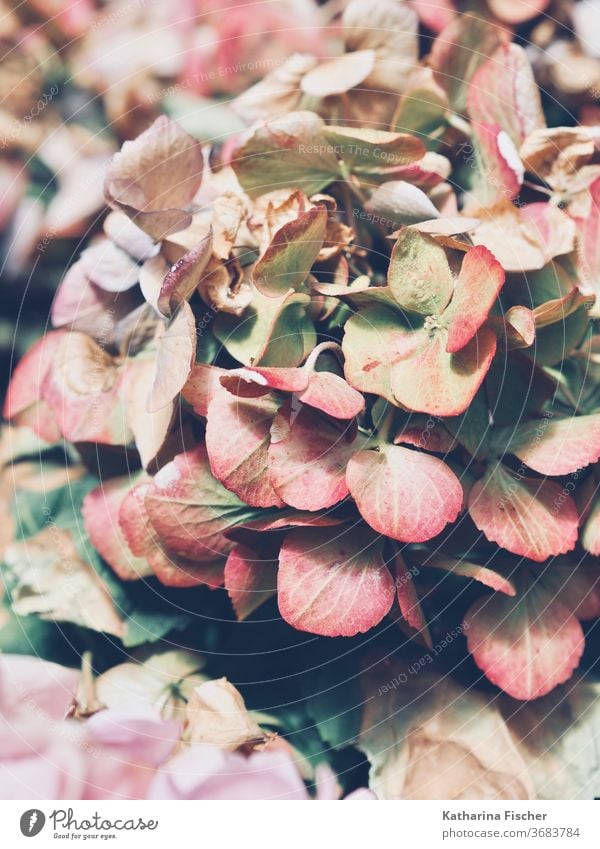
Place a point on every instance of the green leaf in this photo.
(457, 53)
(32, 635)
(148, 615)
(47, 576)
(550, 283)
(423, 109)
(472, 428)
(202, 117)
(555, 342)
(366, 346)
(287, 151)
(300, 150)
(419, 276)
(191, 510)
(516, 388)
(367, 152)
(271, 332)
(59, 506)
(333, 698)
(287, 261)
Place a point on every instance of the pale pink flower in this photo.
(128, 745)
(205, 772)
(39, 758)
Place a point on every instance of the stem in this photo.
(537, 188)
(354, 187)
(384, 428)
(89, 702)
(459, 124)
(362, 197)
(347, 198)
(309, 365)
(346, 107)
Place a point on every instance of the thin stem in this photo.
(362, 197)
(346, 107)
(88, 702)
(347, 199)
(537, 188)
(383, 432)
(320, 349)
(460, 124)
